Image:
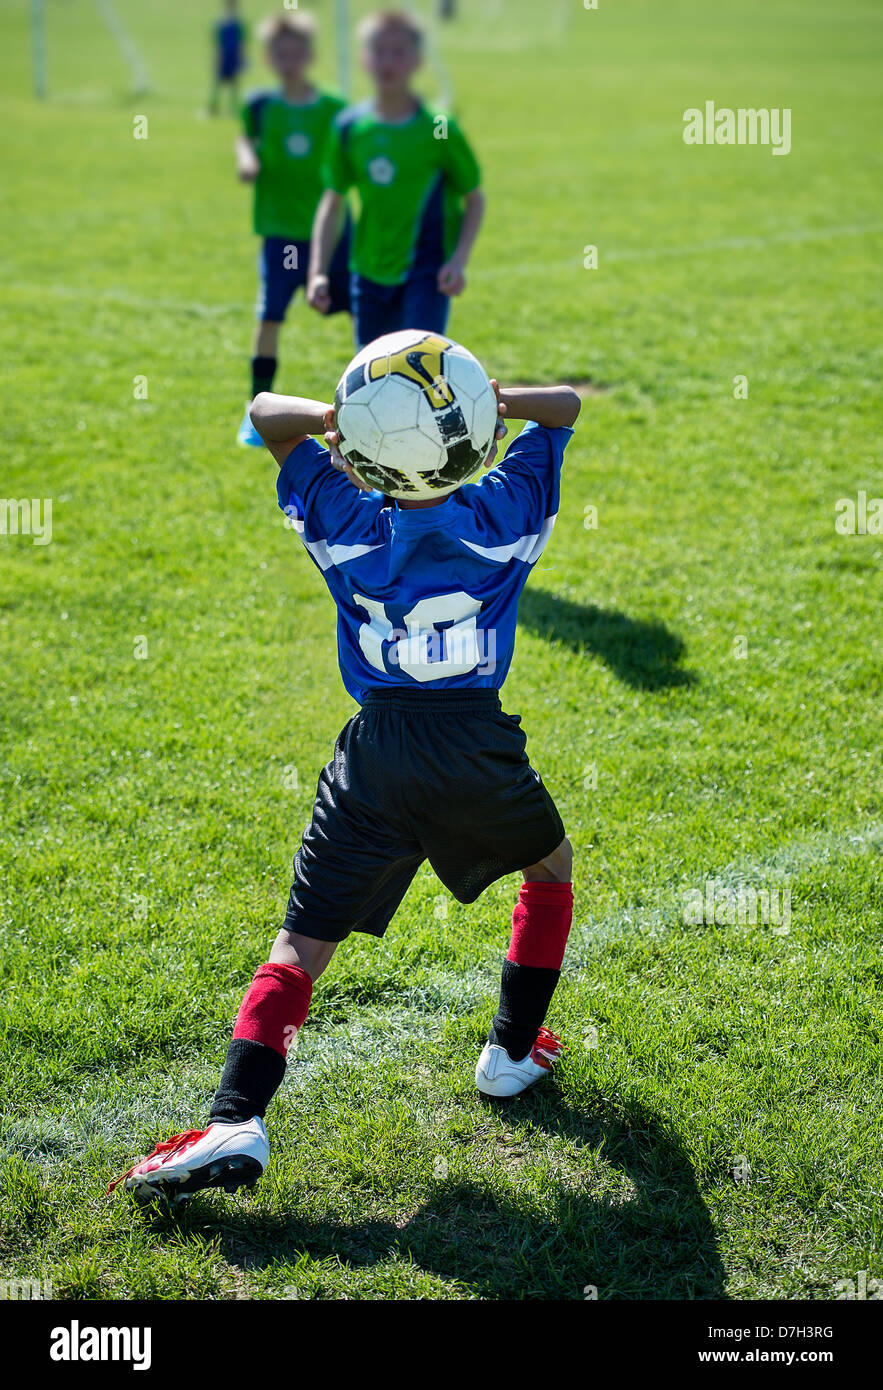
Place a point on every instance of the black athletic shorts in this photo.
(418, 775)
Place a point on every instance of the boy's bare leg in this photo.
(266, 340)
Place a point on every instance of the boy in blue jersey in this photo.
(418, 184)
(229, 56)
(429, 768)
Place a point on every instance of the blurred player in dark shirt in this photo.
(228, 55)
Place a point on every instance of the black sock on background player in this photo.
(263, 374)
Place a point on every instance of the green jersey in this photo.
(290, 141)
(410, 178)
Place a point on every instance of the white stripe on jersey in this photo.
(327, 555)
(527, 548)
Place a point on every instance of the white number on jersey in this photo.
(439, 638)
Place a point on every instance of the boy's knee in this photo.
(557, 867)
(305, 952)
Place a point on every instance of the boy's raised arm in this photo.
(283, 422)
(551, 406)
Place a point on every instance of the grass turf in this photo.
(699, 676)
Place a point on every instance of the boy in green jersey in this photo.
(418, 185)
(281, 152)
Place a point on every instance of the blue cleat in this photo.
(247, 435)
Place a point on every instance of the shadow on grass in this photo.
(646, 656)
(657, 1242)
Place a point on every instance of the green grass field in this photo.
(699, 676)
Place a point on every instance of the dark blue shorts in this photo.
(282, 268)
(416, 303)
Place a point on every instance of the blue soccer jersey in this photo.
(427, 598)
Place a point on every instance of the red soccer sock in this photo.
(541, 924)
(275, 1007)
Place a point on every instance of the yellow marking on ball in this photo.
(421, 363)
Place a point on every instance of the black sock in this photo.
(251, 1077)
(525, 995)
(263, 370)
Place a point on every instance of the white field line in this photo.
(390, 1033)
(786, 862)
(420, 1012)
(198, 309)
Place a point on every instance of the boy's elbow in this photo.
(257, 411)
(572, 405)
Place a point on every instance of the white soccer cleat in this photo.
(497, 1075)
(227, 1156)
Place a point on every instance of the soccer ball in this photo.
(416, 415)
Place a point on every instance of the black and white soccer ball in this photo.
(416, 415)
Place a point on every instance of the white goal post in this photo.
(38, 48)
(114, 25)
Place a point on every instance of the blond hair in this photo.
(301, 26)
(408, 23)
